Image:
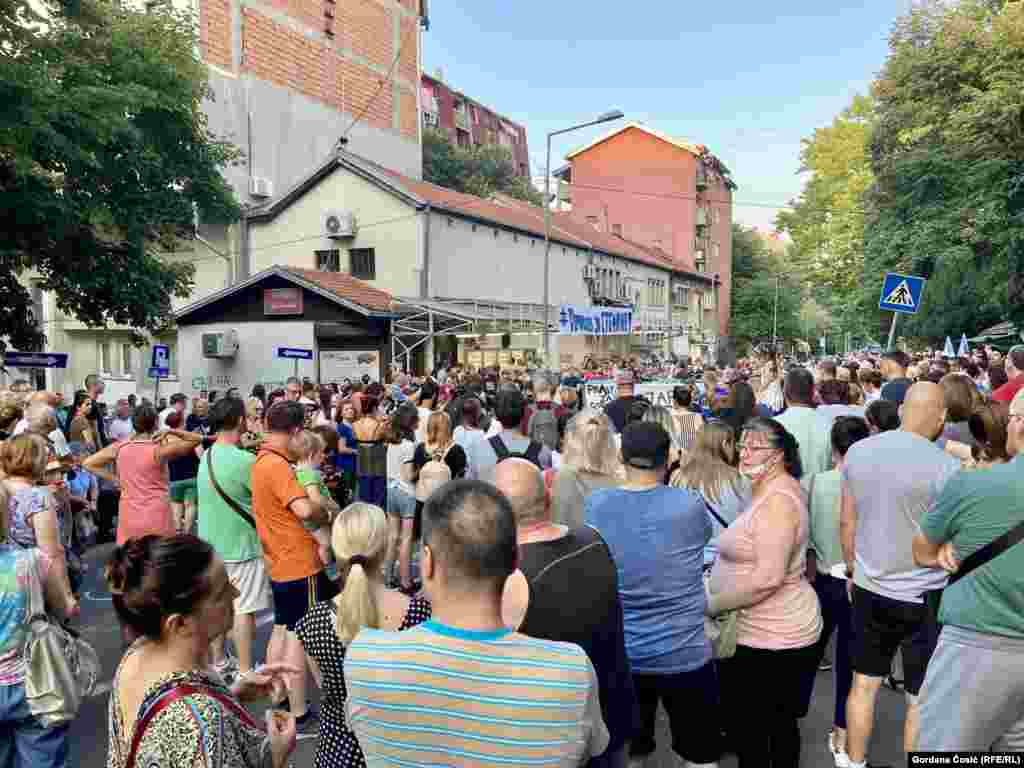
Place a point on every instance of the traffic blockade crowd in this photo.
(482, 568)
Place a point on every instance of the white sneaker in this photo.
(841, 759)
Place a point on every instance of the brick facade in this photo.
(482, 125)
(337, 52)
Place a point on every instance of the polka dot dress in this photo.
(338, 747)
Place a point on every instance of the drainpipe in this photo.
(245, 265)
(425, 289)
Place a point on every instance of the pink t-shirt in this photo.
(791, 616)
(145, 505)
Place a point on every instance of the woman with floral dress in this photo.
(167, 709)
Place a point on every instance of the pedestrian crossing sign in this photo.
(901, 293)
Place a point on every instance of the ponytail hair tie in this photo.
(357, 560)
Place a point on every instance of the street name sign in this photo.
(291, 353)
(901, 293)
(36, 359)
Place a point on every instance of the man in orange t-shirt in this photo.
(297, 576)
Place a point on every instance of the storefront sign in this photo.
(337, 366)
(282, 301)
(594, 321)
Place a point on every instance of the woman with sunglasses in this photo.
(761, 571)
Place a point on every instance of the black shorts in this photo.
(881, 625)
(292, 599)
(692, 704)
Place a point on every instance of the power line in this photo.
(385, 81)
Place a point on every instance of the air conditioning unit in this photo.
(260, 186)
(220, 344)
(340, 224)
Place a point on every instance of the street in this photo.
(99, 627)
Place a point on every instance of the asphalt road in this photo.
(99, 626)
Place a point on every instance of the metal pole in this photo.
(775, 317)
(296, 368)
(892, 332)
(156, 393)
(547, 252)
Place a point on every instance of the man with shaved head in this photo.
(889, 482)
(566, 588)
(464, 687)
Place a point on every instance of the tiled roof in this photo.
(694, 149)
(346, 287)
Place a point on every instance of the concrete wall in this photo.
(254, 363)
(386, 224)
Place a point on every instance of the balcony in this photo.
(702, 217)
(462, 119)
(702, 178)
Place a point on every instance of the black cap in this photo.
(645, 445)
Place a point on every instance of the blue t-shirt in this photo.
(346, 462)
(657, 538)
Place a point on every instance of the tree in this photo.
(948, 197)
(482, 171)
(755, 269)
(105, 156)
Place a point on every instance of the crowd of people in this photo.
(482, 568)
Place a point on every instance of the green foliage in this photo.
(104, 152)
(482, 171)
(755, 268)
(946, 151)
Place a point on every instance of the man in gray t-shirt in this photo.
(509, 410)
(889, 482)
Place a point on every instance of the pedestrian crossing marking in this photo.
(900, 296)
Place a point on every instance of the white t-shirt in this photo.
(120, 429)
(421, 427)
(399, 455)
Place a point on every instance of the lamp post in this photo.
(607, 117)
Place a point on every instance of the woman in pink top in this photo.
(145, 506)
(760, 571)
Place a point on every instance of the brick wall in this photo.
(337, 52)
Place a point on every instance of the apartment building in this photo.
(468, 123)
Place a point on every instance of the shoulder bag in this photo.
(720, 630)
(220, 491)
(978, 558)
(174, 694)
(61, 669)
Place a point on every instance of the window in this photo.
(328, 261)
(104, 357)
(714, 254)
(126, 359)
(363, 263)
(716, 216)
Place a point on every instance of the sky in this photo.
(748, 79)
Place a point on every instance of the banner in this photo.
(599, 393)
(594, 321)
(336, 366)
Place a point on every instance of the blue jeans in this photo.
(24, 741)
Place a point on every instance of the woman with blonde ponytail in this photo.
(359, 539)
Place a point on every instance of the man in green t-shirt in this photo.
(226, 528)
(972, 694)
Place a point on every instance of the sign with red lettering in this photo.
(282, 301)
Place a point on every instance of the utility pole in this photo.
(775, 317)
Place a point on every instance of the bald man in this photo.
(890, 481)
(566, 588)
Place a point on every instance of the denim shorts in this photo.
(23, 739)
(401, 502)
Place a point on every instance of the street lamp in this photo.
(607, 117)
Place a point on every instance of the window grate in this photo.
(363, 263)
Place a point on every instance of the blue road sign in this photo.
(901, 293)
(159, 373)
(36, 359)
(290, 353)
(161, 357)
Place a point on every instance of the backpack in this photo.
(543, 428)
(532, 453)
(433, 475)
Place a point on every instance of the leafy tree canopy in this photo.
(482, 171)
(755, 268)
(104, 156)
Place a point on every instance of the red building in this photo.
(661, 192)
(469, 123)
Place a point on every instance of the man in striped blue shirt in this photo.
(463, 689)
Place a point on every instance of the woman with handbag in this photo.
(167, 710)
(760, 572)
(27, 579)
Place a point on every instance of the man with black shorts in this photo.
(889, 482)
(298, 578)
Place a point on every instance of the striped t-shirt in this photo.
(439, 695)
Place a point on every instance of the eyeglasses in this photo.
(754, 448)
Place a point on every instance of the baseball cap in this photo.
(645, 445)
